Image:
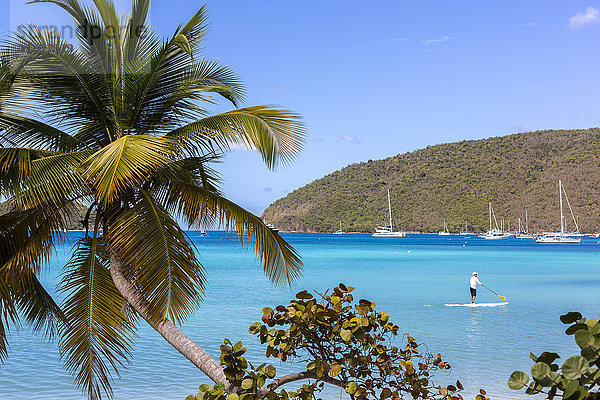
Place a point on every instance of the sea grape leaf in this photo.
(575, 367)
(518, 380)
(574, 328)
(540, 370)
(570, 317)
(547, 357)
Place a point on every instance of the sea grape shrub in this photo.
(340, 342)
(578, 377)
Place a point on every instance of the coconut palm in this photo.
(119, 123)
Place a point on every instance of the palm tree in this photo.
(120, 124)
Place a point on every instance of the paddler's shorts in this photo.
(473, 291)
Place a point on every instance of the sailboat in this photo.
(497, 233)
(466, 231)
(388, 231)
(523, 231)
(561, 237)
(339, 231)
(445, 231)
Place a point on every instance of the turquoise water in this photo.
(483, 345)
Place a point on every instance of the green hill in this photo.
(455, 181)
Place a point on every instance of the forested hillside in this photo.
(455, 181)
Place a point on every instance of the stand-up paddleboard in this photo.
(477, 304)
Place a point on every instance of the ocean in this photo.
(411, 278)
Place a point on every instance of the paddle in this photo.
(502, 297)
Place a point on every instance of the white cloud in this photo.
(347, 138)
(436, 40)
(581, 19)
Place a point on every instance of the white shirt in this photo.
(474, 281)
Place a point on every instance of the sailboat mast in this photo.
(490, 210)
(390, 210)
(562, 219)
(526, 223)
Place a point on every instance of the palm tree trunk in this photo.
(172, 334)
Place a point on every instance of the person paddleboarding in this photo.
(473, 286)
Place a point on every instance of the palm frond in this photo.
(5, 322)
(278, 135)
(127, 161)
(86, 19)
(160, 259)
(30, 177)
(98, 338)
(35, 304)
(16, 130)
(136, 30)
(28, 236)
(196, 29)
(169, 92)
(67, 82)
(281, 262)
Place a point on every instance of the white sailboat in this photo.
(523, 231)
(445, 231)
(339, 231)
(466, 231)
(561, 237)
(388, 231)
(497, 233)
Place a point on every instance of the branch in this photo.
(298, 377)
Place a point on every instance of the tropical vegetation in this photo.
(578, 377)
(121, 124)
(455, 182)
(339, 342)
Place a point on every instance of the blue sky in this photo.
(374, 79)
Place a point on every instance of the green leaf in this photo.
(540, 370)
(570, 387)
(570, 317)
(238, 346)
(518, 380)
(232, 396)
(182, 42)
(254, 328)
(584, 339)
(335, 370)
(346, 335)
(351, 388)
(574, 328)
(247, 383)
(547, 357)
(594, 328)
(270, 371)
(304, 295)
(575, 367)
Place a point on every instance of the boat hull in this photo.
(558, 239)
(389, 234)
